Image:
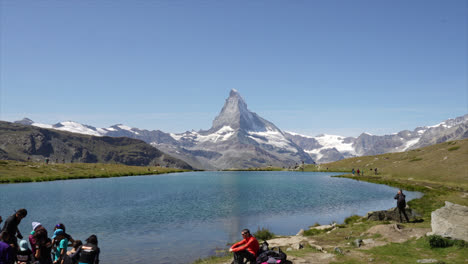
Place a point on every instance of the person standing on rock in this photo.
(401, 204)
(246, 248)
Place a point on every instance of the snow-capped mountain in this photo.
(240, 138)
(327, 148)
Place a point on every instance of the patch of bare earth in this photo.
(393, 233)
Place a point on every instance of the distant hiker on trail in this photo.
(89, 252)
(11, 227)
(401, 204)
(246, 248)
(358, 172)
(352, 171)
(375, 171)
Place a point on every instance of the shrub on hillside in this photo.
(436, 241)
(263, 234)
(352, 219)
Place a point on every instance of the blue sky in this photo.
(336, 67)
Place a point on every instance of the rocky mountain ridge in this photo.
(25, 142)
(240, 138)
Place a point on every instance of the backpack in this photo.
(263, 248)
(401, 201)
(275, 253)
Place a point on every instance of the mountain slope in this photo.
(323, 147)
(20, 142)
(238, 138)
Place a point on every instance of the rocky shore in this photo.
(376, 229)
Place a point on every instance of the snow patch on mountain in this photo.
(272, 137)
(222, 134)
(334, 141)
(410, 143)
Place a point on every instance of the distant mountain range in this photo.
(240, 138)
(23, 142)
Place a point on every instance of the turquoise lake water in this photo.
(178, 218)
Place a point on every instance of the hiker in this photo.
(89, 252)
(375, 171)
(43, 246)
(6, 251)
(24, 254)
(352, 171)
(246, 248)
(67, 236)
(61, 250)
(11, 227)
(358, 172)
(74, 257)
(32, 239)
(401, 204)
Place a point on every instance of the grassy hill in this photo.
(444, 164)
(17, 171)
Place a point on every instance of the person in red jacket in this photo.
(246, 248)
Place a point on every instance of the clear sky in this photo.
(332, 66)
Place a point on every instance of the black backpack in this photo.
(275, 253)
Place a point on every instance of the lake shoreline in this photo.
(430, 199)
(25, 172)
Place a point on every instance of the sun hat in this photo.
(35, 225)
(23, 244)
(57, 232)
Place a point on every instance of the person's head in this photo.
(92, 239)
(60, 226)
(58, 234)
(21, 213)
(23, 244)
(36, 225)
(245, 233)
(41, 235)
(4, 236)
(400, 191)
(77, 244)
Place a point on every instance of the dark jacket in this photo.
(11, 227)
(401, 202)
(88, 253)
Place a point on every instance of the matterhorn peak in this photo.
(236, 115)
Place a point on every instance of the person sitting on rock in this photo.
(245, 249)
(401, 204)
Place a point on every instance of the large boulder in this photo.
(450, 221)
(393, 215)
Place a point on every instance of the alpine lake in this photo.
(180, 217)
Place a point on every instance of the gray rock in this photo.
(450, 221)
(317, 247)
(301, 232)
(297, 246)
(339, 250)
(392, 215)
(357, 242)
(289, 249)
(427, 261)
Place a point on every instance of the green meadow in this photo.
(16, 171)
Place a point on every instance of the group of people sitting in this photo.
(44, 250)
